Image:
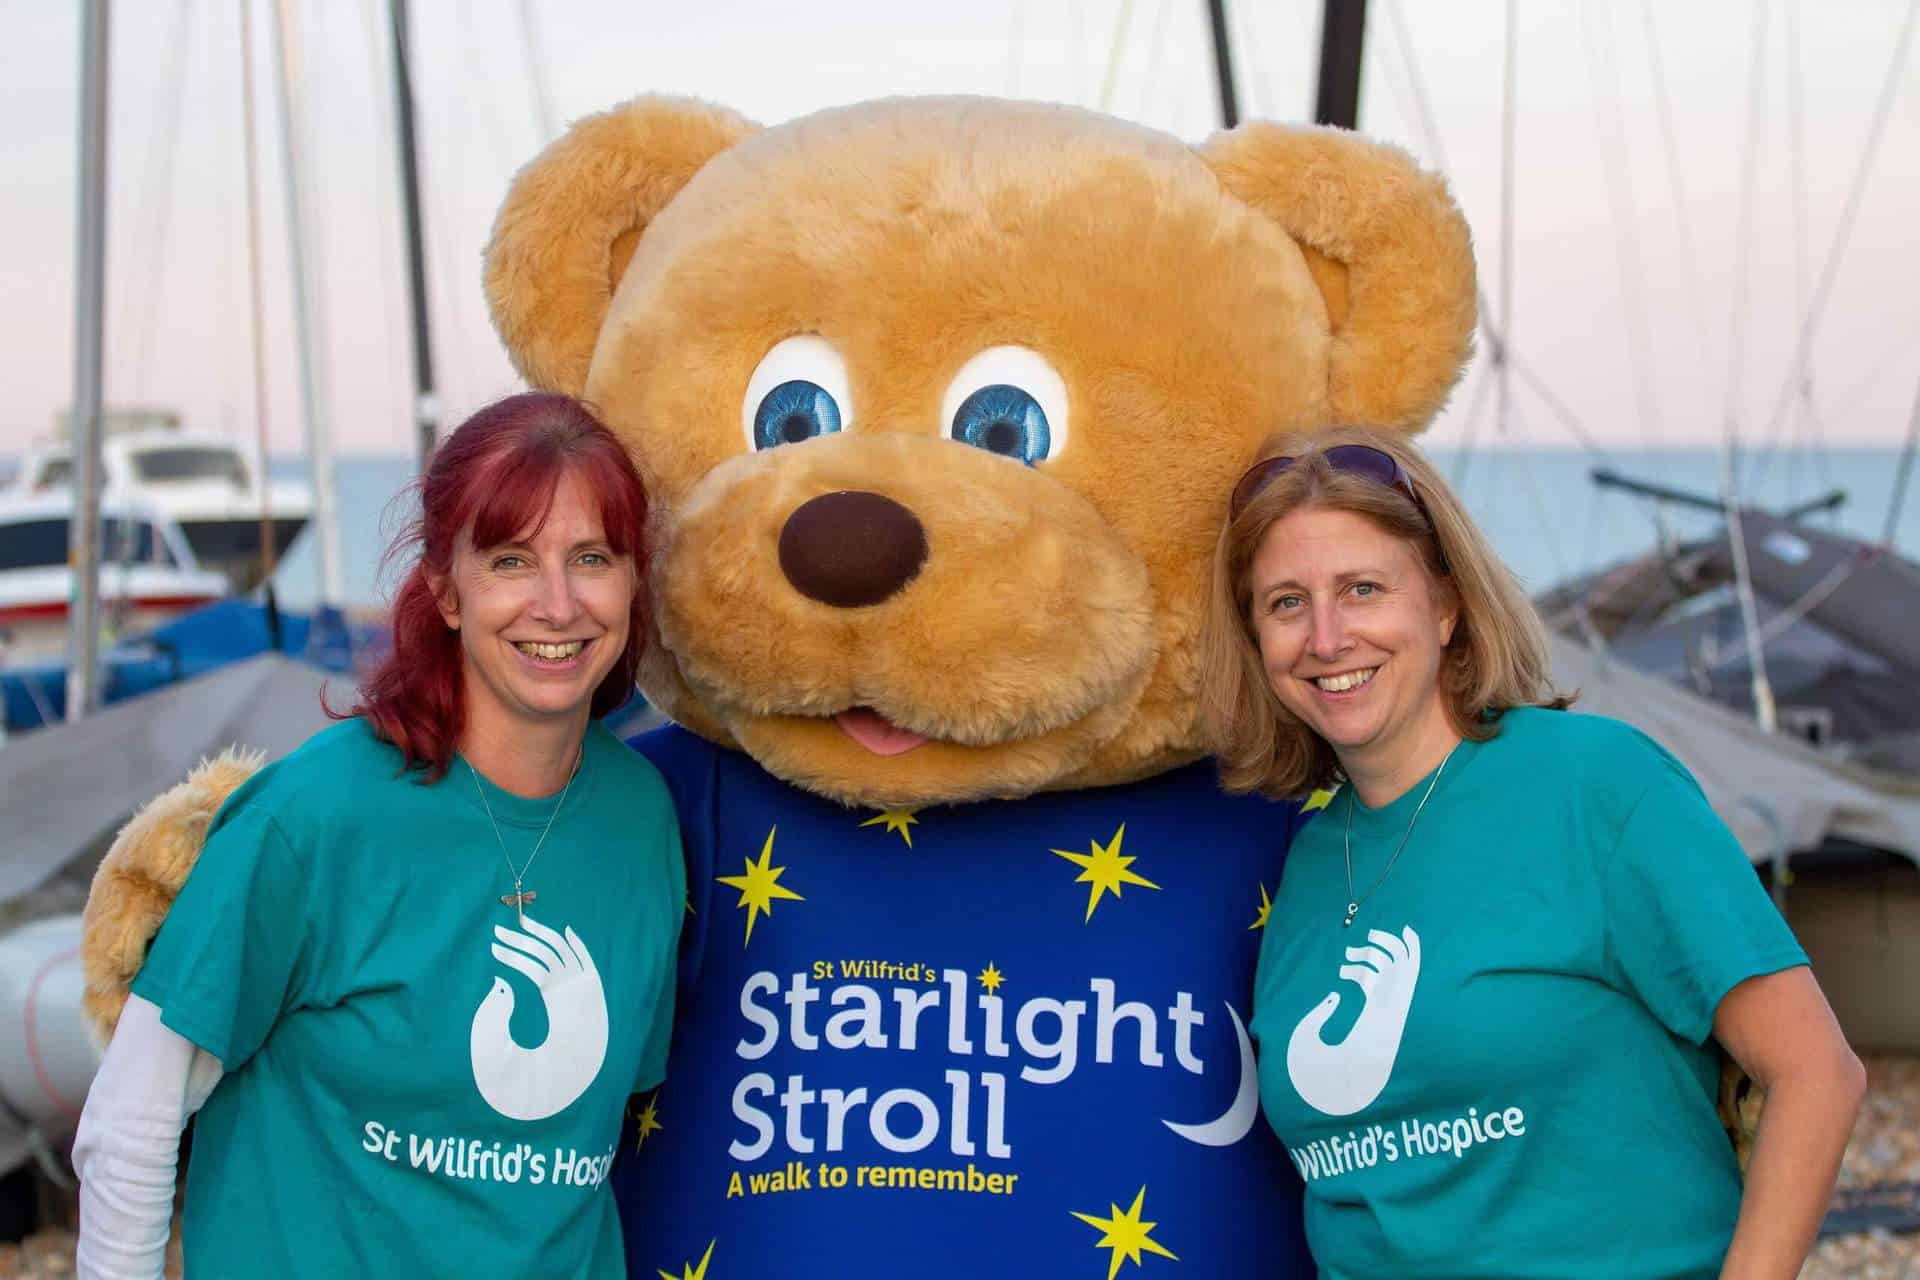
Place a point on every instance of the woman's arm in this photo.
(1780, 1029)
(128, 1148)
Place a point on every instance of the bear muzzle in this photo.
(920, 616)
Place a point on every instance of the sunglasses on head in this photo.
(1361, 460)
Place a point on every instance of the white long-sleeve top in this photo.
(127, 1151)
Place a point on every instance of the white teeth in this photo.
(1348, 680)
(551, 652)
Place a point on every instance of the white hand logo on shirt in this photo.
(1340, 1079)
(532, 1084)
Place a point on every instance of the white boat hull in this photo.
(35, 604)
(47, 1059)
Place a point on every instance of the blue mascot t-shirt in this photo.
(996, 1039)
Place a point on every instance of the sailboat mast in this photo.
(90, 287)
(308, 320)
(1223, 63)
(426, 406)
(1343, 31)
(269, 551)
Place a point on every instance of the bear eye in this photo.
(1005, 420)
(798, 392)
(1009, 401)
(792, 412)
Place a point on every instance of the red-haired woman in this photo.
(424, 959)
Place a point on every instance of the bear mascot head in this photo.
(940, 400)
(939, 403)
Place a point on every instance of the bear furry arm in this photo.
(140, 876)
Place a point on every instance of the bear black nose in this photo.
(849, 549)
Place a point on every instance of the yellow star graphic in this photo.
(647, 1122)
(1106, 869)
(896, 820)
(1125, 1234)
(759, 885)
(1318, 800)
(1266, 909)
(691, 1272)
(990, 978)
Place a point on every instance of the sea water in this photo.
(1538, 507)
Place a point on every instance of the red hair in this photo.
(494, 478)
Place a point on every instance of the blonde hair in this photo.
(1497, 658)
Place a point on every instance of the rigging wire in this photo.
(1495, 333)
(1378, 69)
(1077, 35)
(257, 305)
(455, 367)
(1609, 118)
(1663, 108)
(307, 248)
(1763, 707)
(1253, 68)
(1558, 407)
(1423, 107)
(1114, 56)
(1543, 512)
(1883, 109)
(1902, 475)
(392, 231)
(1508, 124)
(508, 154)
(1436, 148)
(1875, 369)
(150, 242)
(1609, 114)
(1598, 514)
(227, 285)
(536, 59)
(1016, 13)
(1308, 15)
(1743, 236)
(1809, 600)
(229, 322)
(1837, 576)
(1797, 191)
(1470, 427)
(1156, 50)
(1502, 364)
(1506, 361)
(1500, 376)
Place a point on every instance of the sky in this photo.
(1633, 320)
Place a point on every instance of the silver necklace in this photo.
(1353, 903)
(520, 897)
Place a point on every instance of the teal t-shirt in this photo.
(417, 1083)
(1503, 1068)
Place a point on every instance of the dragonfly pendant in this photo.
(518, 900)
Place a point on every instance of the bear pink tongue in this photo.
(877, 733)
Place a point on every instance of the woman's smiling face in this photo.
(1352, 629)
(543, 618)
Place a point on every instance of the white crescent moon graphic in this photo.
(1238, 1120)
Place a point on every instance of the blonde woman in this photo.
(1495, 962)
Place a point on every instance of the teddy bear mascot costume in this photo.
(939, 402)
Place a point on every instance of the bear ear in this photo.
(1388, 249)
(573, 217)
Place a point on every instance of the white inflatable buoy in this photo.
(47, 1060)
